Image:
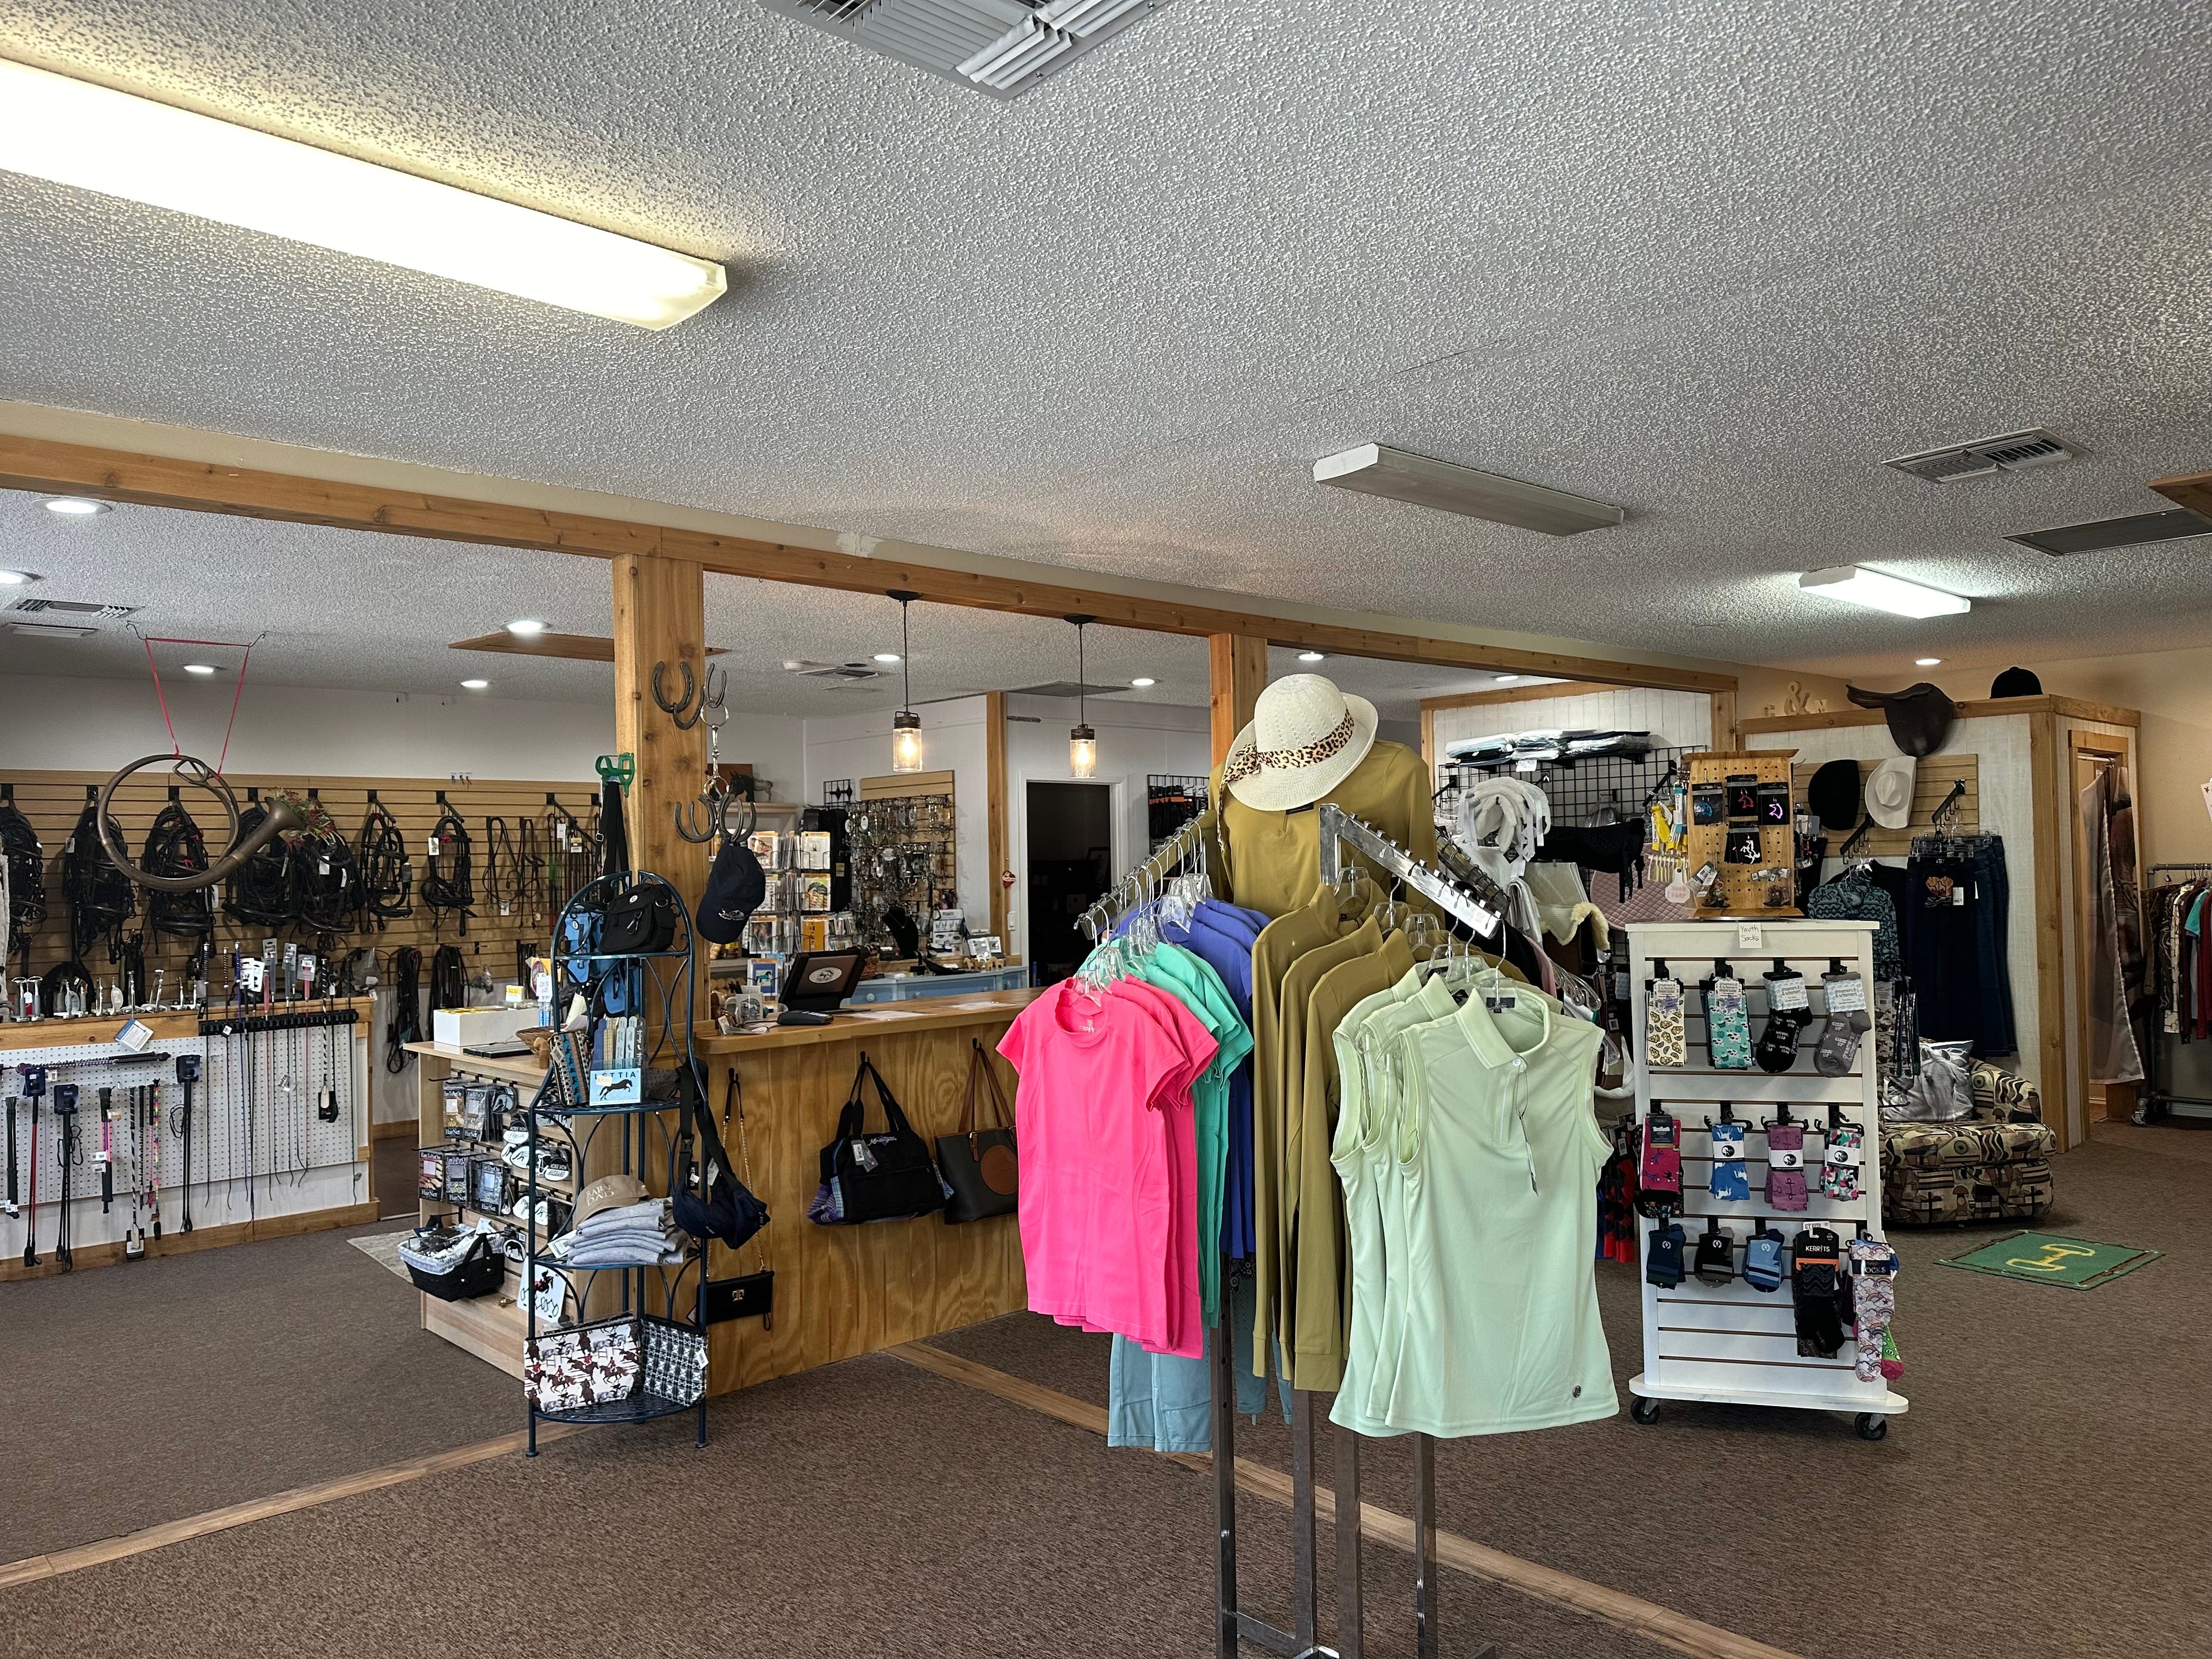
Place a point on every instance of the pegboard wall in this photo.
(512, 908)
(261, 1147)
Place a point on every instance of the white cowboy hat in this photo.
(1306, 736)
(1889, 792)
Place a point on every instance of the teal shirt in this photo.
(1187, 978)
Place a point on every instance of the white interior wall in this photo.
(1676, 718)
(2007, 808)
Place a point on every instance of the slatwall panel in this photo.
(1676, 718)
(1932, 779)
(1706, 1342)
(259, 1152)
(52, 800)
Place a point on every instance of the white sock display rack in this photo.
(1729, 1343)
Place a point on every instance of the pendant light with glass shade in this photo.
(1081, 741)
(906, 725)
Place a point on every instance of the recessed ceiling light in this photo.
(525, 627)
(887, 656)
(16, 578)
(474, 685)
(71, 132)
(199, 668)
(1507, 679)
(70, 507)
(1927, 662)
(1141, 684)
(1871, 588)
(1311, 656)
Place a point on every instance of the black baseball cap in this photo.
(735, 887)
(2016, 682)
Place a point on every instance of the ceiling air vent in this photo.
(2013, 451)
(2137, 529)
(1001, 47)
(835, 672)
(37, 630)
(1069, 689)
(77, 608)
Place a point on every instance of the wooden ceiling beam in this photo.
(582, 647)
(44, 467)
(2190, 490)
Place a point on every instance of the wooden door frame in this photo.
(2116, 749)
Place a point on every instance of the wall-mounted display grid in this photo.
(1729, 1342)
(512, 906)
(279, 1130)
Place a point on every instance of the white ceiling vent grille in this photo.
(77, 608)
(2012, 452)
(1001, 47)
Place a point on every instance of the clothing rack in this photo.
(1339, 829)
(1187, 843)
(2157, 1102)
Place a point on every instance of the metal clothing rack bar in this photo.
(1338, 830)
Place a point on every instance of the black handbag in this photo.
(875, 1177)
(638, 922)
(705, 1196)
(980, 1164)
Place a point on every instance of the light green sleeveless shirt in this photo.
(1500, 1152)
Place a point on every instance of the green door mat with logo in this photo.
(2048, 1259)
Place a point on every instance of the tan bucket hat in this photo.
(1306, 736)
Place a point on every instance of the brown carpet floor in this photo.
(867, 1509)
(2044, 1496)
(153, 1390)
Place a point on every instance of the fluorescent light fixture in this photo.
(199, 668)
(1379, 470)
(16, 578)
(474, 685)
(1892, 593)
(1142, 684)
(1927, 662)
(525, 627)
(881, 656)
(69, 507)
(1507, 679)
(1311, 656)
(95, 138)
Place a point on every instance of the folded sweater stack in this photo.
(635, 1236)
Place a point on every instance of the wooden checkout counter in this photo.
(839, 1290)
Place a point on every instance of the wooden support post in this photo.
(660, 607)
(994, 834)
(1238, 666)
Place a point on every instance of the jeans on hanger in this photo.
(1956, 948)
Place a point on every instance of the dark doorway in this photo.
(1071, 853)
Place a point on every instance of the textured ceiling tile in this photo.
(1710, 261)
